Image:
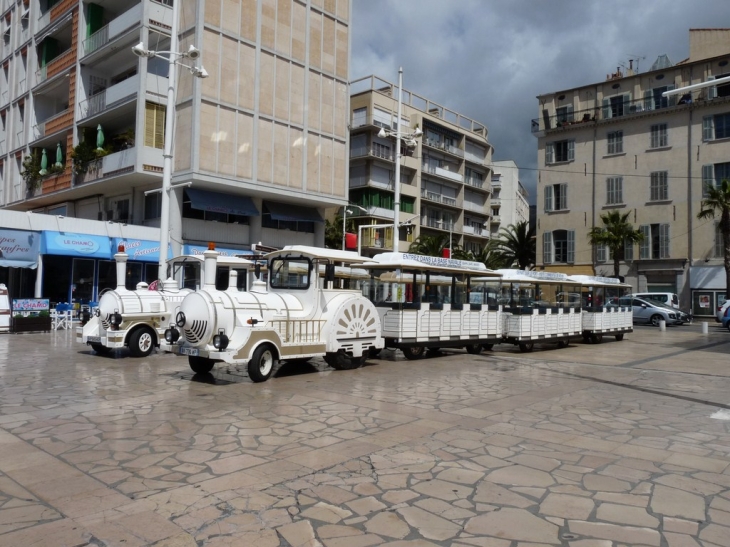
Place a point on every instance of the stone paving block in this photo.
(429, 525)
(514, 524)
(565, 506)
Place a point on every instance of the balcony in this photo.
(437, 223)
(56, 66)
(118, 163)
(496, 219)
(110, 97)
(469, 156)
(441, 172)
(473, 230)
(443, 146)
(58, 122)
(496, 201)
(474, 207)
(127, 20)
(439, 198)
(474, 182)
(372, 152)
(54, 13)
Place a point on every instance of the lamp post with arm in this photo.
(173, 57)
(345, 211)
(410, 141)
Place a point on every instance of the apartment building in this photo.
(619, 144)
(260, 145)
(444, 175)
(509, 203)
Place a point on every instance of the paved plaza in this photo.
(617, 444)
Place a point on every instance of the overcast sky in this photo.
(489, 59)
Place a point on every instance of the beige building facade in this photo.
(445, 174)
(621, 145)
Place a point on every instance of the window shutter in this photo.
(664, 241)
(154, 127)
(672, 99)
(648, 99)
(571, 150)
(606, 109)
(619, 190)
(547, 248)
(571, 246)
(645, 246)
(569, 112)
(711, 91)
(627, 103)
(708, 128)
(564, 193)
(548, 198)
(628, 250)
(708, 178)
(601, 253)
(549, 153)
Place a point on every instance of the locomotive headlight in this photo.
(116, 319)
(220, 340)
(180, 319)
(172, 335)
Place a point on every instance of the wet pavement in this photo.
(618, 444)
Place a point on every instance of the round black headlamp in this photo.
(220, 340)
(172, 335)
(115, 319)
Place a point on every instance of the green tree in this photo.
(515, 246)
(429, 245)
(615, 232)
(333, 233)
(717, 201)
(487, 256)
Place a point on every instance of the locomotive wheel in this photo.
(101, 350)
(342, 361)
(586, 337)
(374, 353)
(473, 349)
(562, 343)
(487, 347)
(261, 364)
(413, 353)
(200, 365)
(526, 347)
(142, 342)
(619, 337)
(596, 338)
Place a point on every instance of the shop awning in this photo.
(141, 250)
(216, 202)
(292, 213)
(189, 249)
(70, 244)
(19, 248)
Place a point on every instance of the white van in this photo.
(666, 298)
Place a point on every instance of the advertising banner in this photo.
(70, 244)
(31, 304)
(140, 249)
(19, 248)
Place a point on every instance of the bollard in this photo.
(705, 327)
(662, 325)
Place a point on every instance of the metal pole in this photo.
(167, 154)
(344, 219)
(396, 184)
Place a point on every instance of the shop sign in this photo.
(19, 248)
(31, 304)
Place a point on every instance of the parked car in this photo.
(667, 298)
(723, 311)
(646, 311)
(726, 321)
(682, 317)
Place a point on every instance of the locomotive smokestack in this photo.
(211, 259)
(121, 258)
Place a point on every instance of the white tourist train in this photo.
(138, 318)
(293, 317)
(428, 303)
(539, 306)
(602, 309)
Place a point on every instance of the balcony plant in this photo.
(84, 154)
(33, 174)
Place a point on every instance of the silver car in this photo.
(646, 311)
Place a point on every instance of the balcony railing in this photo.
(496, 219)
(51, 125)
(474, 207)
(474, 181)
(439, 198)
(113, 164)
(57, 65)
(117, 26)
(441, 172)
(474, 158)
(437, 223)
(441, 145)
(473, 230)
(115, 94)
(375, 152)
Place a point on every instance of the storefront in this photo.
(708, 289)
(19, 250)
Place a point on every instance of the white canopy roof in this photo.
(408, 261)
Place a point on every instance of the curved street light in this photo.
(345, 212)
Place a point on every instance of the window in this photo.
(601, 252)
(719, 245)
(716, 127)
(719, 90)
(359, 117)
(559, 151)
(616, 142)
(615, 107)
(556, 197)
(713, 175)
(152, 206)
(656, 241)
(290, 273)
(564, 114)
(154, 125)
(659, 189)
(558, 247)
(628, 250)
(614, 190)
(382, 151)
(659, 136)
(653, 99)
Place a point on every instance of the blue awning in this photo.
(189, 249)
(140, 249)
(69, 244)
(292, 213)
(216, 202)
(19, 248)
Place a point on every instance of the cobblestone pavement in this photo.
(618, 444)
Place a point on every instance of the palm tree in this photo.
(429, 245)
(487, 256)
(717, 200)
(515, 245)
(616, 232)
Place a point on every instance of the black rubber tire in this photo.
(101, 350)
(619, 337)
(473, 349)
(342, 361)
(200, 365)
(563, 343)
(416, 352)
(487, 347)
(654, 320)
(374, 353)
(526, 347)
(262, 363)
(586, 337)
(596, 338)
(142, 341)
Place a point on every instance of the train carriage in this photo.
(603, 312)
(296, 316)
(428, 303)
(539, 306)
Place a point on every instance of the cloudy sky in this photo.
(489, 59)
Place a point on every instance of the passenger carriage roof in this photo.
(535, 277)
(223, 260)
(599, 280)
(335, 255)
(422, 263)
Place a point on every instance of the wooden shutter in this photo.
(606, 109)
(547, 248)
(549, 153)
(711, 91)
(571, 150)
(548, 198)
(664, 241)
(708, 128)
(571, 246)
(628, 250)
(648, 99)
(645, 247)
(708, 178)
(154, 125)
(569, 113)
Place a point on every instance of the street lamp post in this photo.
(345, 211)
(199, 72)
(409, 139)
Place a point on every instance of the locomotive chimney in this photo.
(233, 280)
(209, 269)
(121, 258)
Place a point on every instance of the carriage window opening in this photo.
(190, 273)
(287, 273)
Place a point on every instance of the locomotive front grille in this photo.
(194, 334)
(105, 322)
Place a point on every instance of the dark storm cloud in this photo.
(489, 59)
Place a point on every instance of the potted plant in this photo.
(40, 321)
